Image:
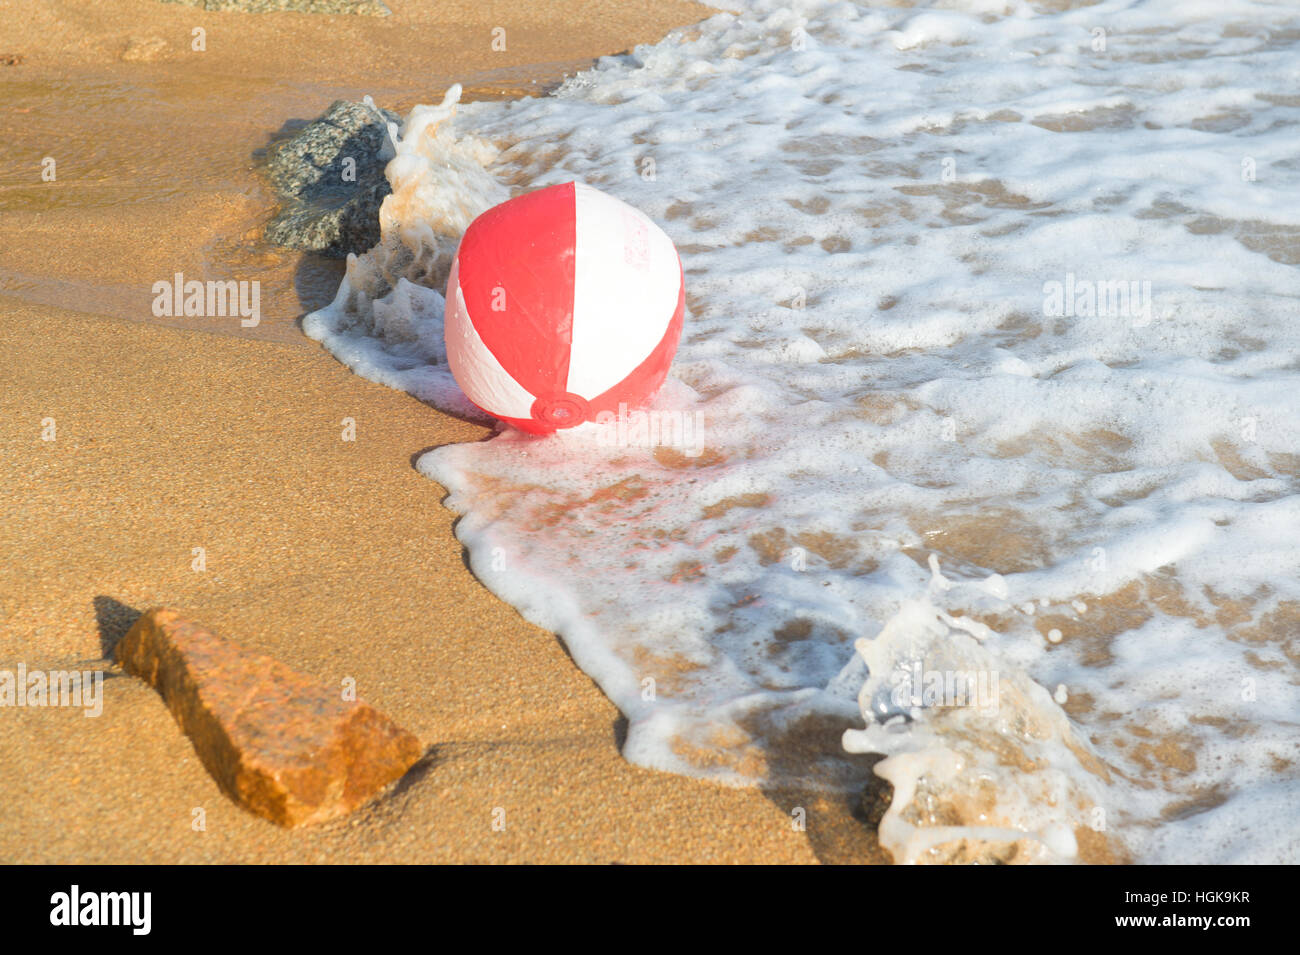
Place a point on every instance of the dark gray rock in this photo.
(330, 177)
(371, 8)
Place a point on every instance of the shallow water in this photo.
(992, 325)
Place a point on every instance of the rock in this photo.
(279, 743)
(11, 59)
(372, 8)
(330, 176)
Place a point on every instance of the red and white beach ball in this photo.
(561, 304)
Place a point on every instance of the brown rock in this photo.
(279, 743)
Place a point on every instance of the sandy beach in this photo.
(948, 516)
(333, 556)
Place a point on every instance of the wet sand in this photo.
(334, 556)
(155, 160)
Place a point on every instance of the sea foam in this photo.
(913, 457)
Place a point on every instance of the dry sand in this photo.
(334, 556)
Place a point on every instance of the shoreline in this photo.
(334, 556)
(337, 559)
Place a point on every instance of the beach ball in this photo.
(562, 303)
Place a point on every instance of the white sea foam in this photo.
(872, 206)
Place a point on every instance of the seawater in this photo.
(993, 339)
